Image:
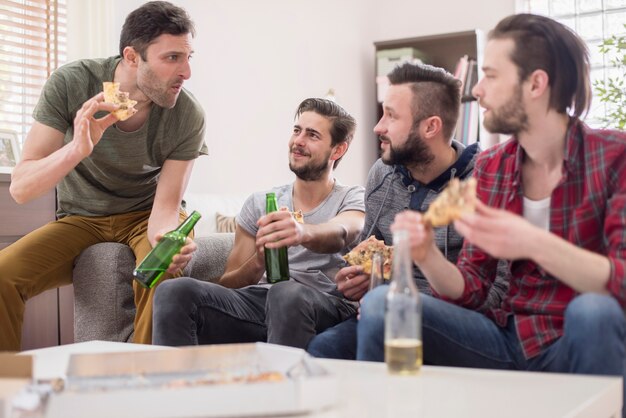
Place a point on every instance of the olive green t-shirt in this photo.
(122, 172)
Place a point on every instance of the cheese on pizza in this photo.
(112, 94)
(361, 255)
(455, 200)
(298, 216)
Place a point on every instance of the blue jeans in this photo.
(338, 342)
(189, 312)
(593, 340)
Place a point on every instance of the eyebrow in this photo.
(308, 130)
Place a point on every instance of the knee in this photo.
(593, 308)
(373, 305)
(288, 296)
(173, 296)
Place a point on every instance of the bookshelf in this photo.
(445, 50)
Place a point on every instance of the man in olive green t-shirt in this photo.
(120, 181)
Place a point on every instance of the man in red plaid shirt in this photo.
(553, 205)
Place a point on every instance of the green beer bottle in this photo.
(276, 262)
(158, 260)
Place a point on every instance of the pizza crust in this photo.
(457, 198)
(112, 94)
(361, 255)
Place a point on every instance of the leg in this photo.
(338, 342)
(459, 337)
(593, 339)
(371, 327)
(39, 261)
(189, 312)
(132, 228)
(295, 313)
(453, 336)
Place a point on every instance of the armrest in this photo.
(104, 307)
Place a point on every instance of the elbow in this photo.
(18, 194)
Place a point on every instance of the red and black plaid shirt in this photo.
(587, 208)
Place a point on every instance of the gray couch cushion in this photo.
(104, 307)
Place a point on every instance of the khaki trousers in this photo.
(44, 260)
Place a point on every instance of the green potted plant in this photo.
(613, 89)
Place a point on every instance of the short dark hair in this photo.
(153, 19)
(545, 44)
(343, 124)
(435, 93)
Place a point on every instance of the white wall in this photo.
(256, 60)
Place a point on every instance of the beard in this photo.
(510, 119)
(312, 170)
(413, 152)
(156, 90)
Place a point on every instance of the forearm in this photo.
(249, 273)
(162, 220)
(582, 270)
(33, 177)
(335, 235)
(326, 238)
(443, 276)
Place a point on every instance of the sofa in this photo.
(104, 307)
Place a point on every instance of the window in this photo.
(594, 21)
(33, 44)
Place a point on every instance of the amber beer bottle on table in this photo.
(276, 262)
(152, 268)
(403, 313)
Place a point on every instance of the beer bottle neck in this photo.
(188, 224)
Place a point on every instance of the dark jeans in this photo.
(592, 342)
(189, 312)
(338, 342)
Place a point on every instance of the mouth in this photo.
(299, 153)
(177, 87)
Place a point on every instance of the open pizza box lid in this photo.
(206, 381)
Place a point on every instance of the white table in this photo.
(368, 391)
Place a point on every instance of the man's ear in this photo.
(131, 56)
(431, 126)
(339, 151)
(538, 82)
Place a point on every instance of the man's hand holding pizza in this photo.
(352, 282)
(87, 129)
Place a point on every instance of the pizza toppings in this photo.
(362, 254)
(112, 94)
(455, 200)
(296, 214)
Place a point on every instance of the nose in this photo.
(185, 70)
(477, 90)
(299, 139)
(379, 129)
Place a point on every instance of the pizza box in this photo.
(15, 376)
(206, 381)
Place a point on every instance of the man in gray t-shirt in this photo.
(119, 181)
(243, 307)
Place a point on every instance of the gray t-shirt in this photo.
(305, 266)
(122, 172)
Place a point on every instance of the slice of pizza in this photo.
(361, 255)
(112, 94)
(298, 216)
(457, 198)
